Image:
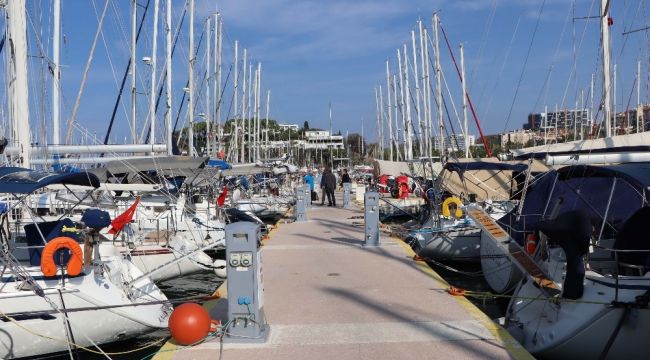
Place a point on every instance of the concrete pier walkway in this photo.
(328, 297)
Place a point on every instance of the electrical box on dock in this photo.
(371, 219)
(301, 204)
(347, 190)
(246, 321)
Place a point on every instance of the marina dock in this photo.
(327, 296)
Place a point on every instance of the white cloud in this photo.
(295, 30)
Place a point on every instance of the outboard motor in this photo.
(571, 231)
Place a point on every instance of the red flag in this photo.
(222, 197)
(119, 222)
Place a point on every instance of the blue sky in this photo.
(314, 52)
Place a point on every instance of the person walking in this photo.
(329, 185)
(309, 179)
(345, 178)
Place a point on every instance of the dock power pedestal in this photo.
(246, 321)
(371, 219)
(307, 189)
(347, 190)
(301, 204)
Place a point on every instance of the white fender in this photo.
(220, 268)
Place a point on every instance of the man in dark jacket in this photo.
(328, 183)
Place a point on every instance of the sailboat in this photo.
(596, 307)
(48, 298)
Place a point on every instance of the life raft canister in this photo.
(445, 207)
(531, 243)
(75, 263)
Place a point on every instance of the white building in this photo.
(454, 142)
(518, 137)
(292, 127)
(320, 139)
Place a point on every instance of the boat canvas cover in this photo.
(164, 165)
(15, 180)
(486, 177)
(460, 168)
(585, 188)
(618, 143)
(244, 169)
(391, 168)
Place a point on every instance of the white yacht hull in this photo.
(581, 329)
(498, 270)
(38, 329)
(449, 244)
(148, 257)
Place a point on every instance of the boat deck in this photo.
(328, 297)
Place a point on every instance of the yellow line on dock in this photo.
(509, 343)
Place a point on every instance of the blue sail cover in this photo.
(586, 188)
(219, 164)
(15, 180)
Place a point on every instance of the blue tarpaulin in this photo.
(219, 164)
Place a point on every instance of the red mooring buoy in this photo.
(189, 324)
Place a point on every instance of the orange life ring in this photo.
(75, 264)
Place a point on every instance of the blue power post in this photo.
(347, 189)
(246, 321)
(301, 204)
(371, 219)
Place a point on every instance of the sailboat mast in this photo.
(436, 22)
(427, 91)
(208, 78)
(243, 108)
(153, 64)
(56, 81)
(381, 122)
(464, 88)
(249, 112)
(389, 110)
(407, 92)
(604, 28)
(190, 103)
(401, 102)
(219, 99)
(639, 108)
(425, 126)
(378, 121)
(18, 90)
(266, 125)
(258, 103)
(398, 155)
(134, 25)
(592, 112)
(614, 122)
(416, 83)
(234, 132)
(168, 69)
